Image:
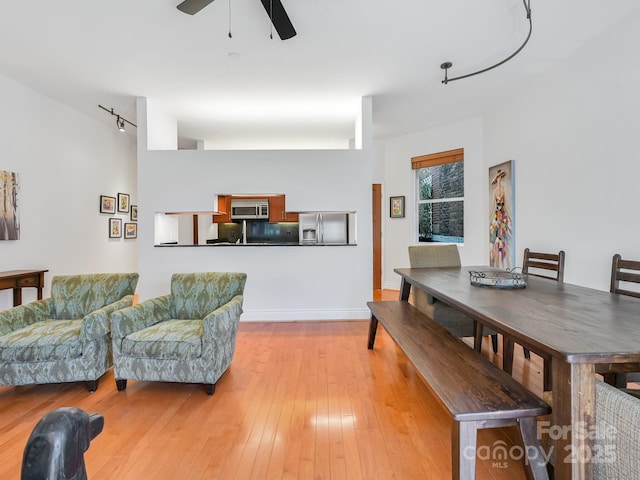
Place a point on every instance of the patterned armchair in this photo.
(188, 336)
(64, 338)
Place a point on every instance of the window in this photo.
(440, 194)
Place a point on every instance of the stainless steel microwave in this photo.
(249, 209)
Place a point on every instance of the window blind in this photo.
(450, 156)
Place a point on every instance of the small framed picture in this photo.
(107, 204)
(123, 202)
(115, 227)
(130, 230)
(396, 208)
(134, 213)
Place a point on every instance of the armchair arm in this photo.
(96, 324)
(143, 315)
(23, 315)
(223, 321)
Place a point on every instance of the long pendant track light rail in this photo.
(447, 65)
(120, 120)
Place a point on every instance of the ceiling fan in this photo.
(274, 9)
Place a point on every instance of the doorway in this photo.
(376, 209)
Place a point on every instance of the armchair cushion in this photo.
(42, 341)
(195, 296)
(75, 296)
(174, 339)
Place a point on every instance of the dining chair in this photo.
(543, 265)
(456, 322)
(627, 271)
(624, 273)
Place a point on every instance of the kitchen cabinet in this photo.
(224, 207)
(277, 211)
(291, 216)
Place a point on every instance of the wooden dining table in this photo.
(577, 328)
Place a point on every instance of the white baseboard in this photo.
(391, 285)
(302, 315)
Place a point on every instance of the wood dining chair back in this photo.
(545, 265)
(623, 274)
(456, 322)
(626, 271)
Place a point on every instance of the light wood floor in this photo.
(303, 400)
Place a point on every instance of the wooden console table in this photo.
(17, 279)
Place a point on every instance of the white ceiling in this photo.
(253, 92)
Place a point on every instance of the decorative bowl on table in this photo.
(498, 279)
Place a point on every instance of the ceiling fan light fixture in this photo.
(278, 16)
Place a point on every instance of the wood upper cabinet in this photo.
(277, 212)
(291, 217)
(224, 206)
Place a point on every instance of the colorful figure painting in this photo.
(501, 238)
(9, 220)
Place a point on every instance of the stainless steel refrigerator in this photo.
(324, 228)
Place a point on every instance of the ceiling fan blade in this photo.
(193, 6)
(279, 18)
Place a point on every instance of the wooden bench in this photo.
(476, 392)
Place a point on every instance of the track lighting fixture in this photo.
(447, 65)
(120, 120)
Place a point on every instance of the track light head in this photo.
(120, 120)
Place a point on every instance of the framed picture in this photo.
(130, 230)
(502, 253)
(134, 213)
(396, 208)
(115, 227)
(123, 202)
(9, 218)
(107, 204)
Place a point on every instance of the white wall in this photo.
(66, 160)
(399, 233)
(574, 136)
(284, 282)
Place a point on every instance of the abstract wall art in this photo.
(9, 218)
(501, 220)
